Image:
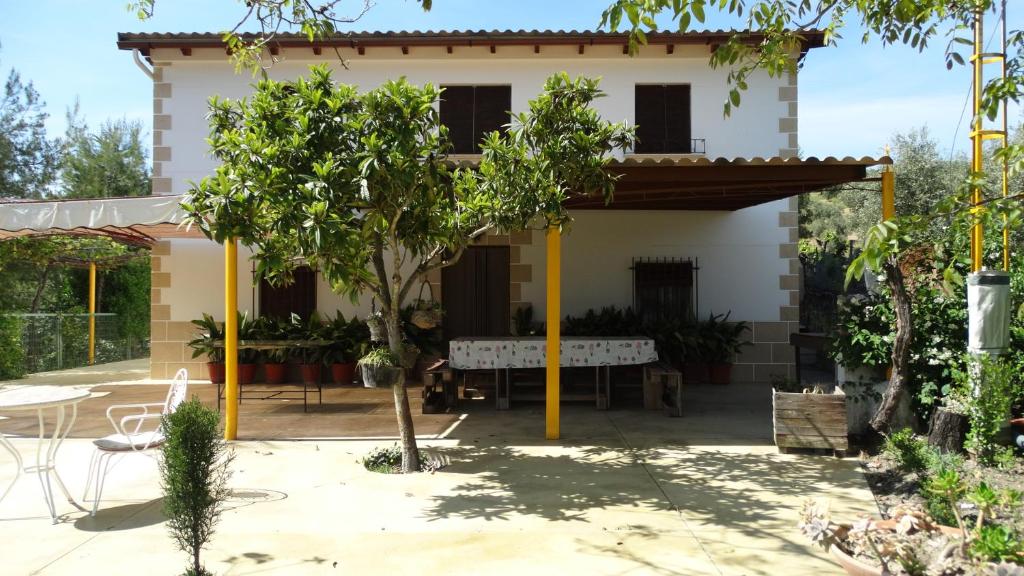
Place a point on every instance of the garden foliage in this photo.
(194, 471)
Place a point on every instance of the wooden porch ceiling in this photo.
(687, 183)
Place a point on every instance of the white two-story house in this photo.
(704, 218)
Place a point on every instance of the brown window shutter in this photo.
(456, 112)
(650, 119)
(493, 104)
(677, 119)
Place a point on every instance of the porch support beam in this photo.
(92, 313)
(554, 315)
(231, 339)
(888, 194)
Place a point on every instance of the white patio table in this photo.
(40, 399)
(502, 354)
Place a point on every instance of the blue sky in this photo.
(852, 97)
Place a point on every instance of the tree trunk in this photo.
(894, 412)
(40, 288)
(410, 452)
(949, 430)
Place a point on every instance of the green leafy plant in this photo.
(248, 330)
(269, 329)
(209, 342)
(720, 339)
(910, 452)
(387, 460)
(312, 329)
(997, 543)
(986, 390)
(12, 353)
(349, 338)
(194, 471)
(380, 356)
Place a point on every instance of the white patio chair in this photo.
(132, 435)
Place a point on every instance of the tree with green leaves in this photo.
(109, 163)
(359, 186)
(28, 159)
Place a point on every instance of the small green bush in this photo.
(194, 473)
(988, 407)
(388, 460)
(910, 452)
(12, 354)
(996, 543)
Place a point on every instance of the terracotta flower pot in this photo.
(275, 372)
(720, 373)
(343, 373)
(310, 373)
(246, 373)
(216, 372)
(855, 567)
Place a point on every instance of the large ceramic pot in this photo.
(216, 372)
(343, 373)
(246, 373)
(275, 372)
(719, 373)
(380, 376)
(310, 373)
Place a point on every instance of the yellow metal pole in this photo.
(231, 339)
(888, 191)
(554, 340)
(92, 313)
(1006, 141)
(977, 233)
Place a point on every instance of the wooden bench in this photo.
(663, 388)
(439, 375)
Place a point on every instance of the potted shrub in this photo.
(721, 340)
(275, 367)
(309, 357)
(209, 343)
(380, 368)
(347, 338)
(247, 357)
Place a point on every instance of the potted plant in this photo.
(209, 343)
(275, 367)
(308, 356)
(380, 368)
(426, 314)
(347, 337)
(247, 357)
(721, 340)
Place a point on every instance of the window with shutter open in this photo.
(663, 119)
(470, 112)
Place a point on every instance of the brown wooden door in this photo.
(298, 297)
(475, 293)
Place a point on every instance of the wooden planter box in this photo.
(810, 421)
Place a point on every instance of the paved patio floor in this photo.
(625, 492)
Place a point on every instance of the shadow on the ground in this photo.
(715, 492)
(125, 517)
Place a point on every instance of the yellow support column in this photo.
(977, 232)
(888, 193)
(231, 339)
(92, 313)
(554, 340)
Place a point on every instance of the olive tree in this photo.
(358, 185)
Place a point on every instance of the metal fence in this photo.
(58, 341)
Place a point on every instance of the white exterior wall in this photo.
(752, 130)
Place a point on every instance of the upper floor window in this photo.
(663, 119)
(470, 112)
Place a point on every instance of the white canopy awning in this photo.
(141, 218)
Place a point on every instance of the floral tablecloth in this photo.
(531, 352)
